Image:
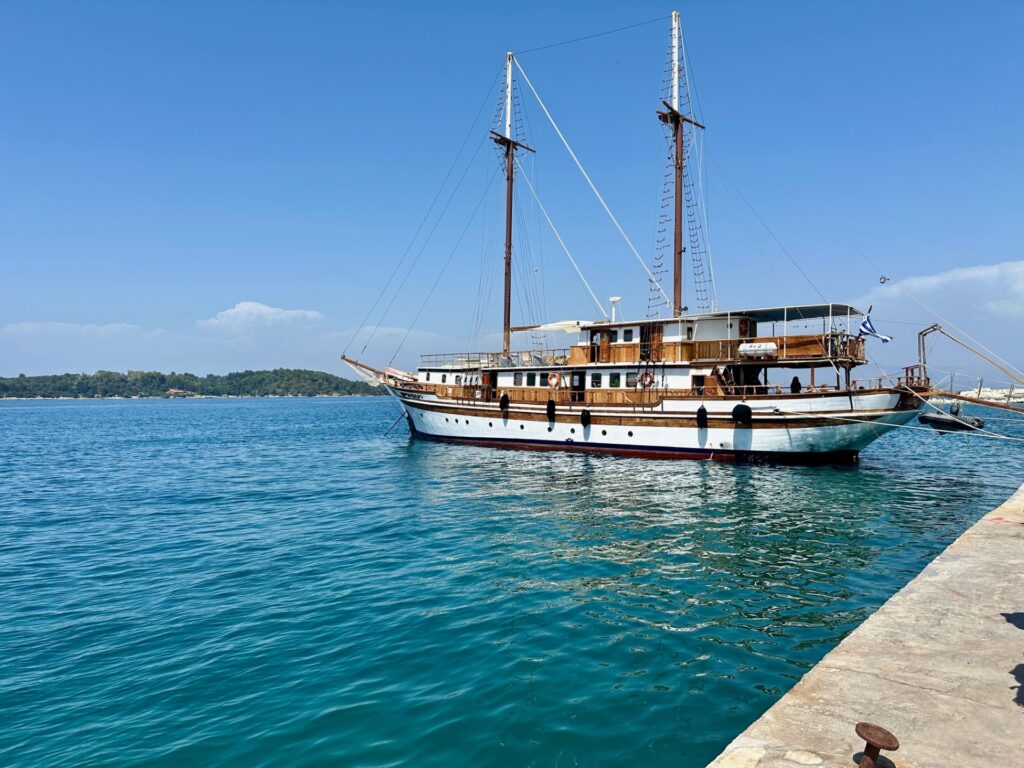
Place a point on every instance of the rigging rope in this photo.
(693, 193)
(444, 268)
(488, 267)
(979, 432)
(593, 188)
(768, 229)
(591, 37)
(932, 405)
(561, 242)
(951, 324)
(423, 247)
(426, 216)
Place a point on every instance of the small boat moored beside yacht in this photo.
(953, 421)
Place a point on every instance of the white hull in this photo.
(798, 428)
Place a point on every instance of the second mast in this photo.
(509, 146)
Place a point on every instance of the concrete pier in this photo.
(940, 665)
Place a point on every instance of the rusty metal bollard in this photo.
(876, 738)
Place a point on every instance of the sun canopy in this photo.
(567, 326)
(793, 313)
(798, 312)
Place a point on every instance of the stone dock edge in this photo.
(940, 665)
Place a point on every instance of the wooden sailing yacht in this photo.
(773, 383)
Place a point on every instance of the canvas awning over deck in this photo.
(792, 313)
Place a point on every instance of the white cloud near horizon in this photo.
(1003, 283)
(250, 335)
(250, 316)
(985, 301)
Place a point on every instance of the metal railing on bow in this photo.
(536, 358)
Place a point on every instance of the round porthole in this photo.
(490, 423)
(446, 418)
(573, 430)
(550, 428)
(630, 433)
(604, 432)
(467, 421)
(521, 426)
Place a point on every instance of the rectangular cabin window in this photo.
(531, 379)
(615, 335)
(631, 379)
(444, 377)
(698, 385)
(614, 379)
(595, 381)
(428, 375)
(627, 334)
(458, 381)
(517, 379)
(689, 333)
(542, 379)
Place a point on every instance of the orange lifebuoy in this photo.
(554, 380)
(646, 379)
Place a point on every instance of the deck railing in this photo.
(828, 346)
(631, 396)
(479, 360)
(914, 376)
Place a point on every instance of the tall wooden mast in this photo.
(509, 146)
(676, 120)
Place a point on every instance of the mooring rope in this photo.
(935, 407)
(974, 430)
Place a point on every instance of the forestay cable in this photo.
(422, 249)
(768, 229)
(424, 220)
(591, 37)
(561, 242)
(444, 268)
(593, 188)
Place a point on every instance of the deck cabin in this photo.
(718, 354)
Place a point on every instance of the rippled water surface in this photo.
(274, 582)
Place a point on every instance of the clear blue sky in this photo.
(162, 162)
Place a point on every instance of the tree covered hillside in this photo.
(281, 381)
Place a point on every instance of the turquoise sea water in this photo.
(273, 582)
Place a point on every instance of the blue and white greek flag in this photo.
(867, 328)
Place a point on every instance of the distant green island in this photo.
(281, 382)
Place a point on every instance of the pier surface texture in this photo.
(940, 665)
